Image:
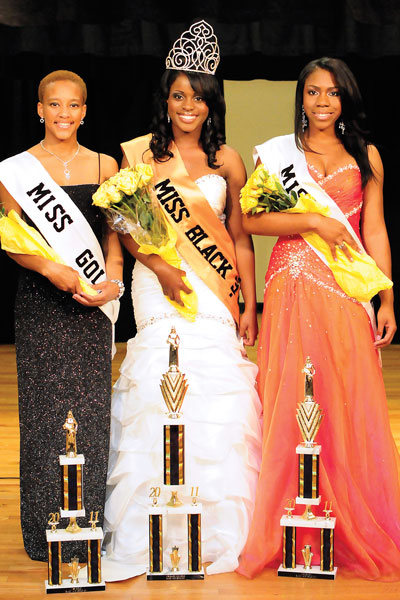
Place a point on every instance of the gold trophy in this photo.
(75, 568)
(309, 416)
(71, 427)
(307, 556)
(175, 558)
(173, 388)
(173, 383)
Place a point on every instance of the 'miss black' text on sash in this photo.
(174, 205)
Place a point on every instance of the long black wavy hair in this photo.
(212, 136)
(355, 137)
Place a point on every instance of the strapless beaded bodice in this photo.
(213, 187)
(294, 256)
(344, 186)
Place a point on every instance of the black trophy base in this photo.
(168, 575)
(313, 573)
(69, 588)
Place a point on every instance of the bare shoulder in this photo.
(109, 165)
(227, 153)
(231, 162)
(375, 159)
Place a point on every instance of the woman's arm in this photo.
(235, 174)
(108, 290)
(170, 278)
(376, 241)
(63, 277)
(275, 223)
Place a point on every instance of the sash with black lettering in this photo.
(281, 156)
(202, 239)
(58, 219)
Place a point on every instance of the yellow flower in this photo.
(144, 173)
(100, 197)
(125, 180)
(114, 194)
(247, 201)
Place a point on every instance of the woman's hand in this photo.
(106, 291)
(63, 277)
(386, 325)
(335, 234)
(248, 327)
(171, 281)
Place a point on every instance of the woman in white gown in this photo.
(221, 408)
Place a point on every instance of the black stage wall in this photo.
(120, 53)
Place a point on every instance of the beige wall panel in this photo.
(257, 111)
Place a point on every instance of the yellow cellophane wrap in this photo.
(169, 254)
(360, 279)
(19, 238)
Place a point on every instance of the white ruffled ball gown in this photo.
(221, 412)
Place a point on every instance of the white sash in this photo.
(281, 156)
(58, 219)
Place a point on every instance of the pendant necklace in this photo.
(64, 162)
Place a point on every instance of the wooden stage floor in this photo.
(21, 578)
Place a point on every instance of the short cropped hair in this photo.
(62, 76)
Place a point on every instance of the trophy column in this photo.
(309, 417)
(156, 549)
(54, 564)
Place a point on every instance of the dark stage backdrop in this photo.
(120, 53)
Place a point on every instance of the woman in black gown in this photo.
(63, 339)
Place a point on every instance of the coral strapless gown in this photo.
(307, 314)
(222, 432)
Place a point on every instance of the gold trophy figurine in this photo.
(71, 427)
(308, 414)
(173, 340)
(75, 568)
(307, 555)
(175, 558)
(173, 383)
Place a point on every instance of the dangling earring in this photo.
(41, 120)
(342, 127)
(168, 118)
(304, 122)
(82, 122)
(209, 122)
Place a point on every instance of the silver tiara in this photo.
(196, 50)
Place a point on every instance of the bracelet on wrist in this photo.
(121, 286)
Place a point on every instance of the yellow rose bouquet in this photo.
(360, 279)
(18, 237)
(131, 206)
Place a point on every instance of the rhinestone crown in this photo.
(196, 50)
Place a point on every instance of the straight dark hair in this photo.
(212, 136)
(355, 137)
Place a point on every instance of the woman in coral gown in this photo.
(305, 314)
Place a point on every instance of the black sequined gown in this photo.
(63, 363)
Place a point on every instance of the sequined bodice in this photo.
(213, 187)
(292, 255)
(344, 186)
